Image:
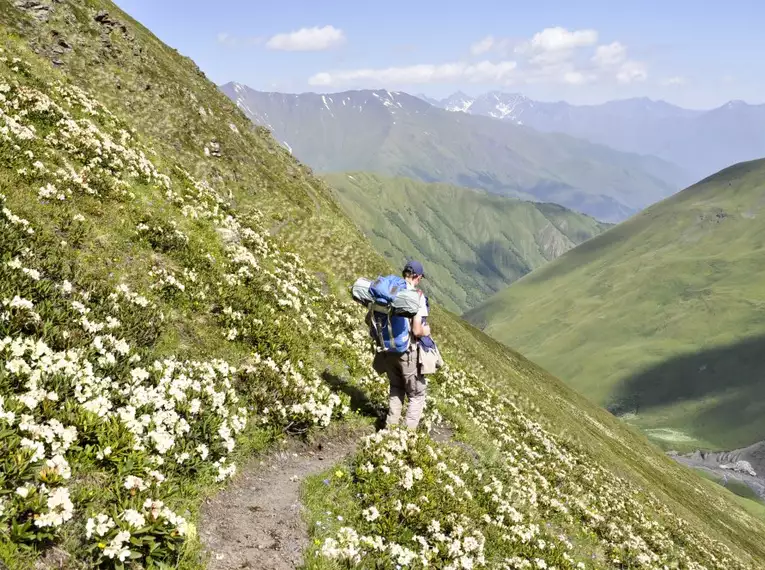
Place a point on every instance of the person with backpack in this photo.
(396, 319)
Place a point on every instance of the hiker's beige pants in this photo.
(404, 381)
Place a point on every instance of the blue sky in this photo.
(693, 54)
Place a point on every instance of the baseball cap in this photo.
(415, 267)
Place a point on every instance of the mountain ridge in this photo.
(700, 141)
(398, 134)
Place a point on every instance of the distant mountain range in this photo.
(473, 242)
(701, 142)
(397, 134)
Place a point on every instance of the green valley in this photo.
(660, 318)
(174, 306)
(473, 242)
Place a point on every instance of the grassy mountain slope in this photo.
(662, 315)
(168, 311)
(473, 242)
(396, 134)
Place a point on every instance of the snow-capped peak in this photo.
(458, 102)
(506, 106)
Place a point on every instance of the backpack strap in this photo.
(374, 308)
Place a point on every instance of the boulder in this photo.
(38, 9)
(740, 467)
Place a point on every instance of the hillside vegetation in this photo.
(474, 243)
(661, 316)
(396, 134)
(172, 304)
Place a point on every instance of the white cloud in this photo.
(226, 39)
(557, 39)
(611, 54)
(675, 81)
(556, 45)
(482, 72)
(229, 40)
(482, 46)
(612, 60)
(552, 56)
(500, 46)
(575, 78)
(308, 39)
(631, 71)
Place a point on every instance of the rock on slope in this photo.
(148, 343)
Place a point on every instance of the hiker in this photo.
(401, 365)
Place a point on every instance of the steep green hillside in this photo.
(167, 283)
(396, 134)
(661, 316)
(474, 243)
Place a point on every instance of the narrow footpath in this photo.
(258, 522)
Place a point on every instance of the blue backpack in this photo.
(391, 308)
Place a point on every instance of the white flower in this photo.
(134, 483)
(100, 525)
(116, 549)
(371, 514)
(134, 518)
(60, 509)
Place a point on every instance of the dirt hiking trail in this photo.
(257, 521)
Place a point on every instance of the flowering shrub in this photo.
(152, 533)
(429, 506)
(84, 391)
(290, 395)
(163, 236)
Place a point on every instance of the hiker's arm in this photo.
(418, 328)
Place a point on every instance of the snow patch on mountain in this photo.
(505, 106)
(458, 103)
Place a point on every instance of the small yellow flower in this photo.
(339, 473)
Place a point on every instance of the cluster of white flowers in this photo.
(114, 533)
(196, 199)
(184, 415)
(49, 191)
(166, 237)
(289, 395)
(16, 220)
(166, 280)
(107, 163)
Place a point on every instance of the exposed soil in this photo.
(444, 434)
(257, 521)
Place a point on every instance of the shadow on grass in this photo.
(734, 374)
(360, 402)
